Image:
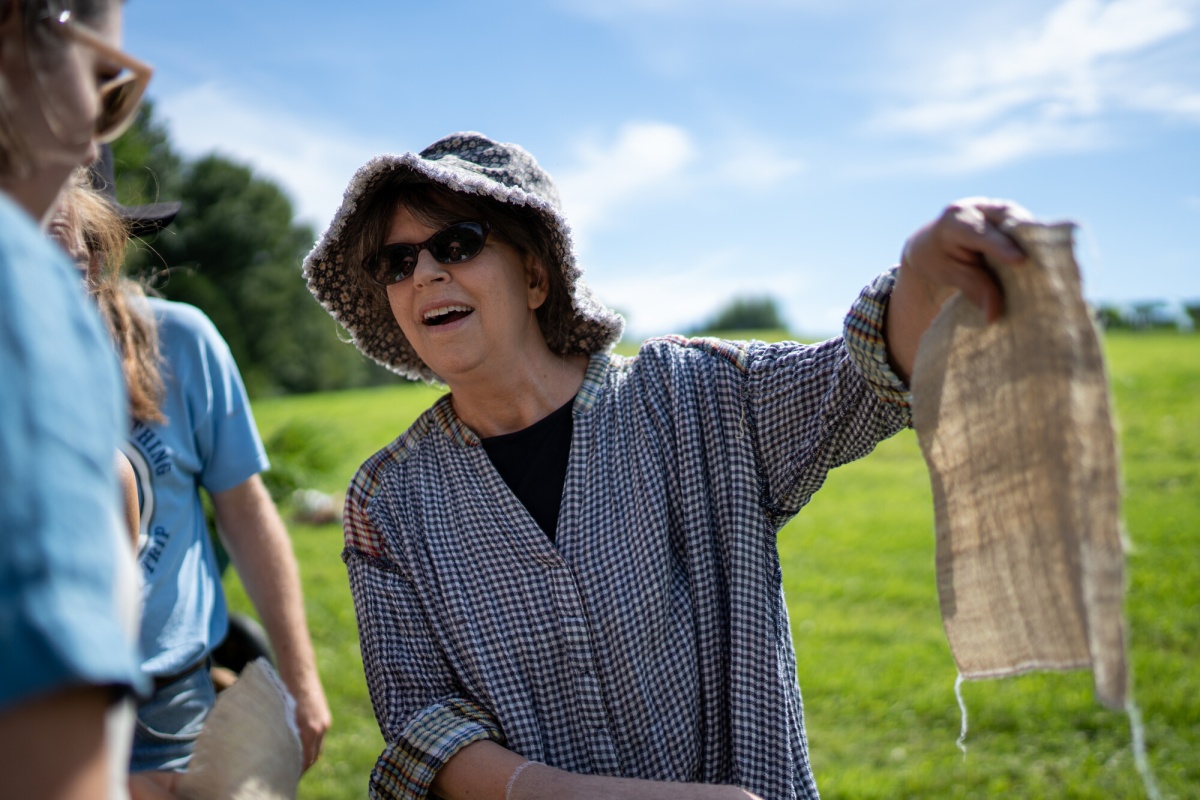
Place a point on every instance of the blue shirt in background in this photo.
(209, 440)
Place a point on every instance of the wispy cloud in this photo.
(1044, 88)
(671, 298)
(645, 162)
(757, 163)
(312, 164)
(608, 177)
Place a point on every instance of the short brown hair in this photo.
(436, 206)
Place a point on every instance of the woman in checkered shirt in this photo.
(565, 571)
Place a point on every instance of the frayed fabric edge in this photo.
(960, 743)
(1137, 735)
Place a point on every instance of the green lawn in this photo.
(874, 666)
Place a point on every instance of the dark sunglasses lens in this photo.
(392, 264)
(457, 243)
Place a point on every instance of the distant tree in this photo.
(1110, 317)
(235, 252)
(1151, 315)
(745, 313)
(1192, 309)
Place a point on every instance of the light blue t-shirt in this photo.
(67, 586)
(210, 441)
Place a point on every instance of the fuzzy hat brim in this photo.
(468, 163)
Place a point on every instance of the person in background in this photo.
(202, 436)
(95, 229)
(191, 428)
(68, 609)
(565, 572)
(94, 236)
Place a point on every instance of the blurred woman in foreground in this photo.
(66, 574)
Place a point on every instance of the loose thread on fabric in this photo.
(960, 743)
(512, 779)
(1137, 732)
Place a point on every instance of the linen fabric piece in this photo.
(250, 747)
(651, 639)
(1013, 419)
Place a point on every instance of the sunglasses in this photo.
(119, 95)
(453, 244)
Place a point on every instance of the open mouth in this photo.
(446, 315)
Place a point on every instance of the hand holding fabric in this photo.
(947, 256)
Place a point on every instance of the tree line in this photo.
(235, 252)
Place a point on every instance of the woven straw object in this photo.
(1013, 419)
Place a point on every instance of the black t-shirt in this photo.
(533, 462)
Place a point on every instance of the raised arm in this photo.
(944, 257)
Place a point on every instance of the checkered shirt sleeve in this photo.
(404, 667)
(864, 335)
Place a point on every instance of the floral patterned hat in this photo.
(469, 163)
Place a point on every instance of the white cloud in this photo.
(313, 165)
(757, 163)
(1045, 88)
(1067, 45)
(1007, 143)
(648, 161)
(672, 298)
(645, 158)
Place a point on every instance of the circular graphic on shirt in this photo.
(145, 490)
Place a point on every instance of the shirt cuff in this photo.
(407, 766)
(865, 340)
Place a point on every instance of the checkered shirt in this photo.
(651, 640)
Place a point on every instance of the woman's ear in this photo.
(539, 282)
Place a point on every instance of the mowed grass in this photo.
(874, 666)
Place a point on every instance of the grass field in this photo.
(873, 661)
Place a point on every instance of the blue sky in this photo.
(707, 150)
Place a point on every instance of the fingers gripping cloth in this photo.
(249, 748)
(1013, 419)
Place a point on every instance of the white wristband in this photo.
(512, 779)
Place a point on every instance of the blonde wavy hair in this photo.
(122, 302)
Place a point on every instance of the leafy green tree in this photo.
(235, 252)
(1192, 309)
(745, 314)
(1151, 315)
(1110, 317)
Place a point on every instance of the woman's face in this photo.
(66, 228)
(53, 103)
(473, 320)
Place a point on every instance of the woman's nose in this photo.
(428, 270)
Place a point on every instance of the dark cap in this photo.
(142, 220)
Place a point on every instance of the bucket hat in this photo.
(469, 163)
